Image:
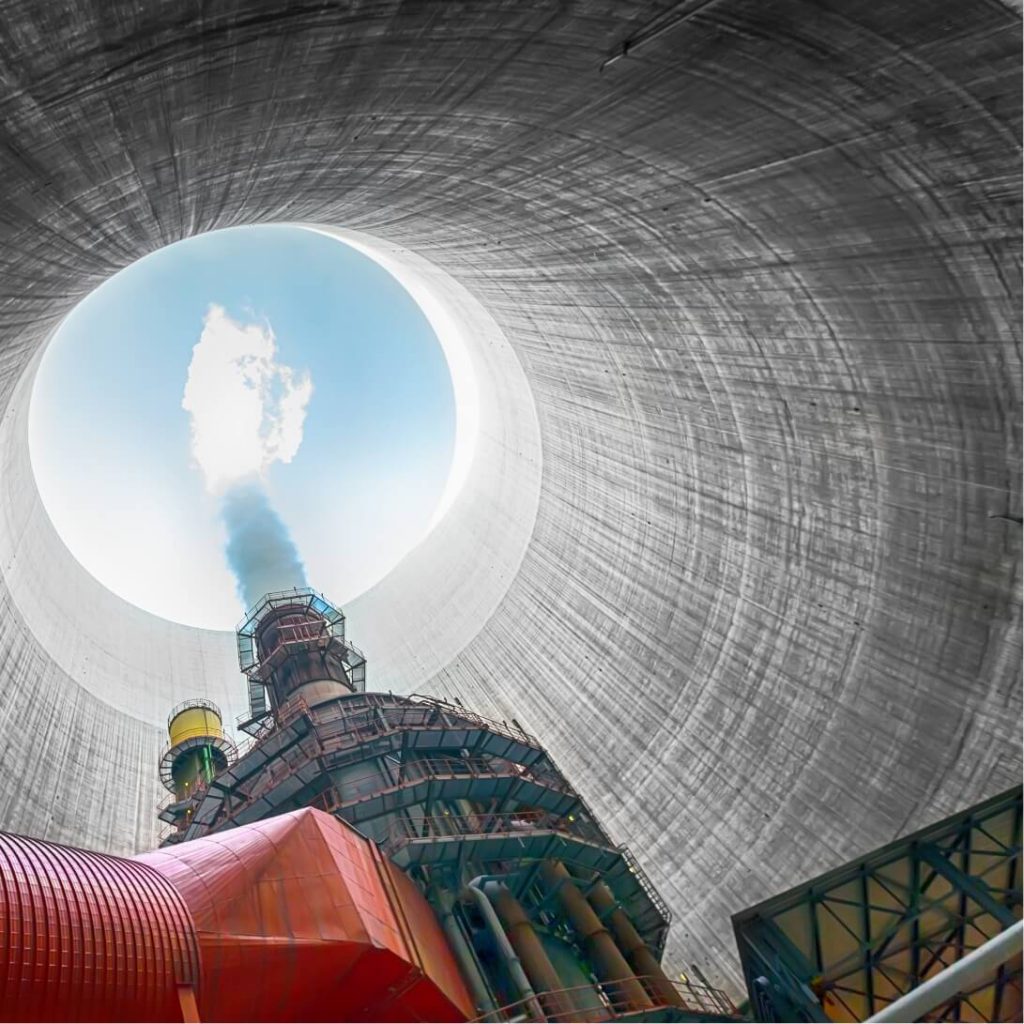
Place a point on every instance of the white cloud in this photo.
(247, 410)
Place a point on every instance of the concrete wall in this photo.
(761, 278)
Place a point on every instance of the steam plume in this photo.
(247, 412)
(247, 409)
(259, 549)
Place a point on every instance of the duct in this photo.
(525, 991)
(91, 937)
(464, 954)
(545, 979)
(643, 961)
(259, 923)
(609, 963)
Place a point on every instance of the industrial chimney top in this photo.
(302, 603)
(292, 644)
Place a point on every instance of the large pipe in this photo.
(92, 937)
(610, 965)
(961, 976)
(262, 922)
(644, 962)
(464, 955)
(525, 991)
(531, 952)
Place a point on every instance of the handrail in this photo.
(645, 882)
(416, 772)
(200, 787)
(459, 715)
(559, 1005)
(194, 702)
(222, 743)
(413, 828)
(429, 768)
(385, 717)
(511, 731)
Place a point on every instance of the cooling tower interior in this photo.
(739, 284)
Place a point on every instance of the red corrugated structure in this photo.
(89, 937)
(297, 917)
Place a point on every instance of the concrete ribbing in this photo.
(762, 281)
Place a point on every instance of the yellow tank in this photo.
(195, 721)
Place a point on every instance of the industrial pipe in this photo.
(92, 937)
(260, 922)
(961, 976)
(475, 891)
(644, 962)
(610, 964)
(531, 951)
(464, 955)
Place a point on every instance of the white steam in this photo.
(247, 410)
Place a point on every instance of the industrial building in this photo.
(722, 633)
(367, 856)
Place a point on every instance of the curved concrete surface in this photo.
(761, 277)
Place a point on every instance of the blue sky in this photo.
(110, 441)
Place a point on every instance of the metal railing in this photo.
(379, 719)
(390, 714)
(604, 1001)
(513, 732)
(193, 702)
(510, 823)
(645, 883)
(193, 792)
(431, 769)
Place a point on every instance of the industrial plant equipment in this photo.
(546, 916)
(372, 857)
(364, 857)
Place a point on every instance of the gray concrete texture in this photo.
(745, 307)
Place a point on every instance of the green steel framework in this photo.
(846, 944)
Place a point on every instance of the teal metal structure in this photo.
(475, 811)
(845, 945)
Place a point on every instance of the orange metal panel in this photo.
(300, 917)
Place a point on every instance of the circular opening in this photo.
(247, 410)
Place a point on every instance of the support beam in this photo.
(963, 976)
(974, 888)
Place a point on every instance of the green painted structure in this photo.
(846, 944)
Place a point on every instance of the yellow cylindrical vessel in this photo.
(198, 747)
(195, 721)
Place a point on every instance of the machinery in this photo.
(197, 751)
(367, 857)
(363, 857)
(295, 918)
(547, 918)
